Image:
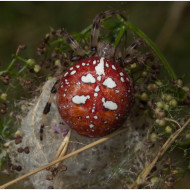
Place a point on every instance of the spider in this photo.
(94, 96)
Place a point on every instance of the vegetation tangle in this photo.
(159, 95)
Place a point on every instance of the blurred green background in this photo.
(166, 23)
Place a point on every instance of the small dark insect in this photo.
(95, 95)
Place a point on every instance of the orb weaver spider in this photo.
(94, 96)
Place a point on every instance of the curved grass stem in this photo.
(141, 34)
(121, 32)
(154, 48)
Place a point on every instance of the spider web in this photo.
(103, 166)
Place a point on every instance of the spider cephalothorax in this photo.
(95, 94)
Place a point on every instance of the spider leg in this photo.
(96, 27)
(118, 56)
(47, 108)
(73, 43)
(141, 59)
(132, 49)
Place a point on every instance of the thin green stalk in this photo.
(9, 67)
(20, 59)
(87, 29)
(151, 44)
(154, 47)
(57, 41)
(22, 69)
(15, 58)
(121, 32)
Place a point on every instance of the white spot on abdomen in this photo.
(73, 72)
(78, 83)
(95, 94)
(88, 79)
(122, 79)
(113, 67)
(80, 99)
(65, 74)
(109, 83)
(100, 67)
(91, 125)
(99, 78)
(109, 104)
(97, 89)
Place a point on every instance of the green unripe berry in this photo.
(159, 83)
(179, 83)
(152, 87)
(23, 107)
(144, 74)
(166, 107)
(133, 66)
(58, 63)
(153, 137)
(168, 129)
(6, 145)
(160, 105)
(173, 103)
(162, 122)
(30, 62)
(168, 97)
(186, 89)
(47, 35)
(154, 180)
(3, 96)
(50, 77)
(18, 132)
(37, 68)
(144, 96)
(164, 96)
(175, 172)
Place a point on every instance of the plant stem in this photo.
(161, 151)
(12, 64)
(9, 67)
(154, 47)
(22, 69)
(121, 32)
(141, 34)
(86, 29)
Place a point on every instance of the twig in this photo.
(174, 121)
(63, 147)
(103, 139)
(143, 175)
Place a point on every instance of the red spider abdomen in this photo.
(94, 96)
